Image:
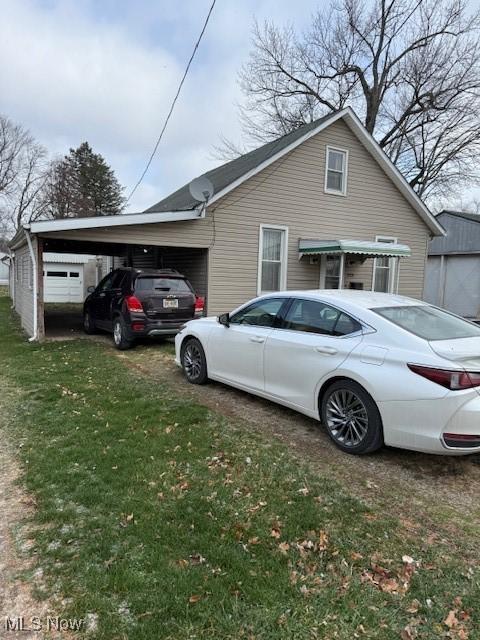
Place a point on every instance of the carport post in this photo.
(35, 285)
(37, 273)
(40, 292)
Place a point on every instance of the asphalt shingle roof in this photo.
(221, 177)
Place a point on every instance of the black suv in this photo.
(135, 303)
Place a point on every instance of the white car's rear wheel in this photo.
(351, 417)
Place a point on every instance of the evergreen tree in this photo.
(83, 185)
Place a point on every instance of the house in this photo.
(452, 278)
(320, 207)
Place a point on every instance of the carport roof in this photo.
(101, 222)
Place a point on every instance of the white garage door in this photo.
(63, 282)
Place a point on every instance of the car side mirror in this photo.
(90, 289)
(224, 319)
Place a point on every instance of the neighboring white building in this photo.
(67, 276)
(4, 270)
(452, 276)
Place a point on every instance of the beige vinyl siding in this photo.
(24, 288)
(291, 193)
(188, 233)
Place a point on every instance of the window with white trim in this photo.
(273, 259)
(336, 171)
(383, 269)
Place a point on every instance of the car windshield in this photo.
(429, 323)
(161, 285)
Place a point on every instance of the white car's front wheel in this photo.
(194, 363)
(351, 417)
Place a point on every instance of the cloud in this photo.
(107, 72)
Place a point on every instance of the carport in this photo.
(175, 240)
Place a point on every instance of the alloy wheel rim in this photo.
(347, 417)
(117, 333)
(192, 361)
(86, 321)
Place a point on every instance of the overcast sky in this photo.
(106, 71)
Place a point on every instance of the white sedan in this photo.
(373, 368)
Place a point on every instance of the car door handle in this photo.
(257, 339)
(327, 351)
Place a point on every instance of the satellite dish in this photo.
(201, 189)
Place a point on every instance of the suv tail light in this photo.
(133, 303)
(454, 380)
(199, 304)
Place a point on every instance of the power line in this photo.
(187, 68)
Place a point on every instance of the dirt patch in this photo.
(441, 493)
(16, 509)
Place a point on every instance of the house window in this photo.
(336, 171)
(383, 269)
(272, 272)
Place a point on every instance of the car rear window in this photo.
(429, 323)
(162, 285)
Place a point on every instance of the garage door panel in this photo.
(462, 285)
(63, 283)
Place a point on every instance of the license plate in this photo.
(170, 304)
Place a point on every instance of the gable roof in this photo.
(223, 176)
(232, 174)
(472, 217)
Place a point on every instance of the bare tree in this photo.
(57, 192)
(14, 139)
(410, 69)
(23, 171)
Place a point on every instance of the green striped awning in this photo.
(362, 247)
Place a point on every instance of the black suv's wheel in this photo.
(88, 323)
(120, 336)
(351, 417)
(194, 363)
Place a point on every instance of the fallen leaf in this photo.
(408, 633)
(195, 598)
(322, 540)
(275, 533)
(284, 547)
(182, 563)
(389, 585)
(414, 606)
(356, 556)
(451, 620)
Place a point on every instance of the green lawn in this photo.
(165, 520)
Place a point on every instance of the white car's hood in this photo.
(463, 351)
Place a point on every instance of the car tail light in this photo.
(199, 304)
(138, 326)
(133, 303)
(454, 380)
